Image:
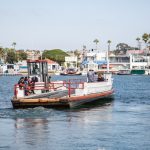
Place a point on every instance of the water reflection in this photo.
(90, 114)
(30, 131)
(30, 123)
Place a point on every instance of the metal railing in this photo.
(71, 85)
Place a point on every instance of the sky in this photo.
(70, 24)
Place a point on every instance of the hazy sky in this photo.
(70, 24)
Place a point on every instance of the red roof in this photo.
(36, 61)
(50, 61)
(135, 51)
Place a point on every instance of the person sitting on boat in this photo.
(100, 77)
(32, 83)
(26, 86)
(90, 75)
(21, 83)
(34, 79)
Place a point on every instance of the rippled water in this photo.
(123, 123)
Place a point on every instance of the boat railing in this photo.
(71, 85)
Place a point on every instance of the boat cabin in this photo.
(39, 69)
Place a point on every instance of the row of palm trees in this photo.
(96, 41)
(146, 38)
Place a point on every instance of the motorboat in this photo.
(71, 72)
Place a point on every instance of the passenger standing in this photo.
(33, 80)
(90, 75)
(21, 83)
(26, 86)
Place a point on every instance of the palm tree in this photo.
(14, 44)
(84, 47)
(139, 44)
(145, 37)
(107, 57)
(96, 41)
(109, 42)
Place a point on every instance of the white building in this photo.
(52, 65)
(93, 59)
(9, 68)
(71, 61)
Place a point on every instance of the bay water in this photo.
(120, 124)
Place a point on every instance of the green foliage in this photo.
(145, 37)
(138, 39)
(109, 41)
(77, 53)
(96, 41)
(22, 56)
(55, 55)
(11, 57)
(2, 52)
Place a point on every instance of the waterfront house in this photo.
(93, 59)
(71, 61)
(9, 68)
(52, 65)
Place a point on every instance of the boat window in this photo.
(35, 68)
(53, 67)
(10, 66)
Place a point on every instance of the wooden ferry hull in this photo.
(43, 102)
(69, 102)
(76, 101)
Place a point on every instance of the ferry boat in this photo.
(69, 93)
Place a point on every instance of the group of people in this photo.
(93, 78)
(27, 84)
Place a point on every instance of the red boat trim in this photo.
(94, 95)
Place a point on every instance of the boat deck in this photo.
(63, 93)
(64, 101)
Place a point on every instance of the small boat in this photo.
(71, 72)
(124, 72)
(68, 93)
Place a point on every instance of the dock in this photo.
(11, 74)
